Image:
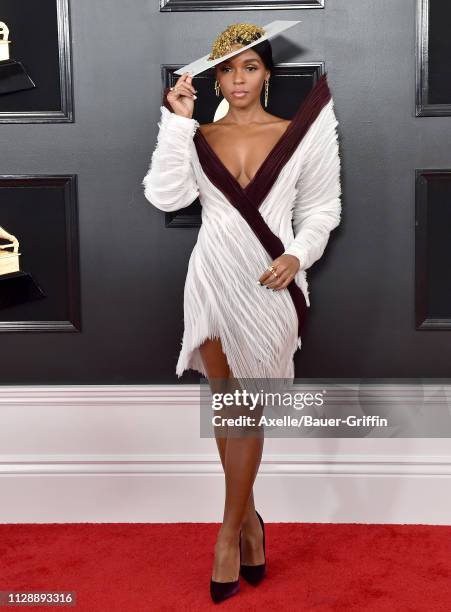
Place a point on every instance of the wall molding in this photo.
(367, 465)
(112, 453)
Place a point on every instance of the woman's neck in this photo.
(244, 116)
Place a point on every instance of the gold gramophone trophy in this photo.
(13, 76)
(9, 261)
(16, 287)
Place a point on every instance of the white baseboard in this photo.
(88, 453)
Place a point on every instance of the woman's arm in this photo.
(317, 207)
(170, 183)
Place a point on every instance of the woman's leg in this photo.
(218, 370)
(240, 458)
(244, 450)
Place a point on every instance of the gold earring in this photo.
(266, 92)
(217, 88)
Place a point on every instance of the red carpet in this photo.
(145, 567)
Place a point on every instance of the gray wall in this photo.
(133, 269)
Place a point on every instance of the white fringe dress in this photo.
(293, 200)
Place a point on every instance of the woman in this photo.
(258, 177)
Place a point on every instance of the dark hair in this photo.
(264, 50)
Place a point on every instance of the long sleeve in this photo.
(317, 206)
(170, 183)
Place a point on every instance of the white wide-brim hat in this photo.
(203, 63)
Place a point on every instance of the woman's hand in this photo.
(181, 97)
(286, 267)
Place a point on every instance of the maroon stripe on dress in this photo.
(270, 241)
(304, 117)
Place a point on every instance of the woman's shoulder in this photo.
(274, 119)
(205, 127)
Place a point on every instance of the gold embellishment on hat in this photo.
(235, 34)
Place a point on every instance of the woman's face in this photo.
(241, 77)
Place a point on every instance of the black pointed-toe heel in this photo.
(223, 590)
(255, 573)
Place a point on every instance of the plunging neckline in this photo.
(272, 152)
(259, 169)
